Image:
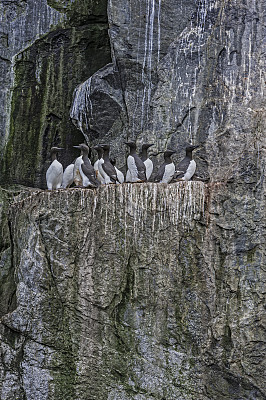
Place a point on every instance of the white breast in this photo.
(149, 167)
(168, 173)
(190, 171)
(105, 177)
(76, 171)
(97, 171)
(128, 176)
(120, 175)
(85, 180)
(54, 175)
(132, 169)
(68, 176)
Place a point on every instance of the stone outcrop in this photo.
(59, 49)
(136, 292)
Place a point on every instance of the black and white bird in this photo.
(187, 167)
(76, 171)
(136, 167)
(86, 170)
(120, 175)
(167, 170)
(106, 169)
(97, 162)
(54, 174)
(147, 161)
(68, 176)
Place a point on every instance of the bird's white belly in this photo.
(98, 172)
(190, 171)
(120, 176)
(149, 167)
(68, 176)
(76, 171)
(106, 178)
(85, 180)
(54, 175)
(132, 169)
(168, 173)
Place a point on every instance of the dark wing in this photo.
(109, 169)
(141, 168)
(160, 173)
(182, 167)
(88, 170)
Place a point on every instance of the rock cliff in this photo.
(146, 291)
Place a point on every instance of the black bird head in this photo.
(191, 148)
(99, 150)
(54, 150)
(169, 153)
(83, 148)
(147, 145)
(104, 146)
(132, 145)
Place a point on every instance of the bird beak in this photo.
(77, 147)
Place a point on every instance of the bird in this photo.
(76, 171)
(68, 176)
(187, 167)
(136, 167)
(96, 164)
(106, 169)
(54, 174)
(120, 175)
(167, 170)
(147, 161)
(86, 170)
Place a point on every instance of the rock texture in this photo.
(45, 74)
(137, 292)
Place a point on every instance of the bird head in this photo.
(83, 148)
(104, 146)
(147, 145)
(54, 149)
(191, 148)
(169, 153)
(132, 145)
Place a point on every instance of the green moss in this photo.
(46, 75)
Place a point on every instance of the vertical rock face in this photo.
(136, 291)
(45, 74)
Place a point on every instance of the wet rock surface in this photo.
(134, 292)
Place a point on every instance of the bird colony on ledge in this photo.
(103, 172)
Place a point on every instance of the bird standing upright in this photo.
(147, 161)
(187, 167)
(136, 167)
(167, 170)
(120, 175)
(106, 169)
(68, 176)
(54, 174)
(97, 162)
(86, 170)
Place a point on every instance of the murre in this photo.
(54, 174)
(86, 170)
(167, 170)
(136, 167)
(106, 169)
(187, 167)
(147, 161)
